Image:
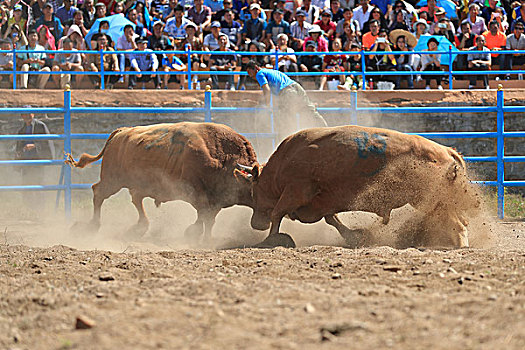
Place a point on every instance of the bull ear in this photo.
(256, 171)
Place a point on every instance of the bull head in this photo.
(249, 172)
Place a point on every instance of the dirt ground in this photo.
(156, 293)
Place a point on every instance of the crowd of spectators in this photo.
(287, 26)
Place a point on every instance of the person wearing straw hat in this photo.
(404, 42)
(290, 98)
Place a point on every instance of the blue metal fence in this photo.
(189, 73)
(67, 186)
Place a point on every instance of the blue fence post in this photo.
(188, 52)
(207, 104)
(353, 105)
(67, 150)
(276, 65)
(363, 69)
(450, 76)
(500, 149)
(102, 84)
(14, 67)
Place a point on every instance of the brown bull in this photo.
(317, 173)
(193, 162)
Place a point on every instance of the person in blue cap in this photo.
(291, 99)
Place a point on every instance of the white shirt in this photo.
(321, 3)
(177, 32)
(298, 32)
(282, 62)
(362, 17)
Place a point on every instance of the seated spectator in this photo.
(143, 18)
(78, 19)
(143, 60)
(100, 10)
(399, 21)
(133, 16)
(277, 26)
(312, 11)
(404, 63)
(246, 11)
(464, 41)
(420, 28)
(231, 28)
(195, 43)
(111, 63)
(515, 41)
(118, 8)
(176, 26)
(75, 35)
(47, 41)
(253, 28)
(88, 12)
(211, 41)
(287, 14)
(200, 15)
(171, 63)
(6, 59)
(287, 63)
(103, 28)
(156, 9)
(67, 62)
(348, 38)
(479, 60)
(228, 5)
(431, 9)
(488, 11)
(16, 36)
(441, 17)
(51, 22)
(169, 12)
(222, 62)
(347, 18)
(37, 11)
(444, 28)
(381, 62)
(326, 24)
(519, 16)
(262, 61)
(409, 14)
(362, 13)
(353, 64)
(375, 15)
(336, 10)
(158, 41)
(299, 30)
(310, 63)
(33, 61)
(495, 40)
(432, 62)
(316, 35)
(477, 23)
(370, 38)
(334, 63)
(17, 18)
(126, 43)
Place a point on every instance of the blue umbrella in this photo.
(443, 45)
(116, 27)
(448, 5)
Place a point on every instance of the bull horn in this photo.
(245, 168)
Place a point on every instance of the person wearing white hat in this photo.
(316, 35)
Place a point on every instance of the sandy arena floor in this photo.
(152, 293)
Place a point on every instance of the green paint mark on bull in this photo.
(372, 146)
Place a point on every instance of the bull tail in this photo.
(86, 159)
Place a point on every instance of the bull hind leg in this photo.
(352, 237)
(140, 228)
(101, 192)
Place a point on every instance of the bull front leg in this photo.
(352, 237)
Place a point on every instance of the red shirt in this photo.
(326, 27)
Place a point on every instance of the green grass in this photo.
(514, 204)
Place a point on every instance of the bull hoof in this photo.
(277, 240)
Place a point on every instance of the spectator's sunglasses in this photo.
(518, 28)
